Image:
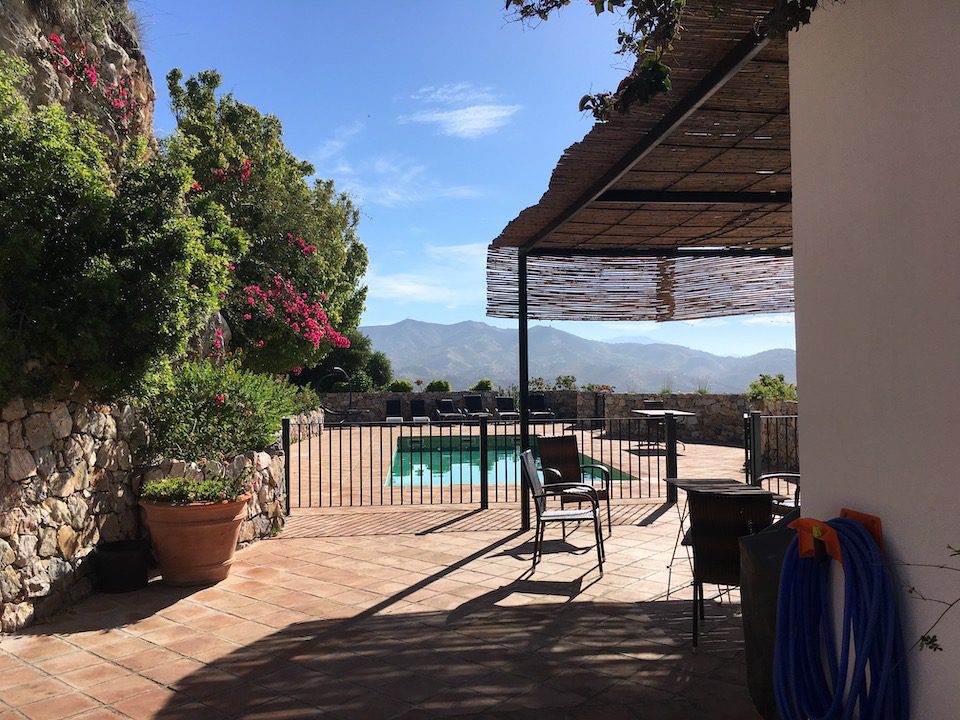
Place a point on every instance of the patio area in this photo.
(400, 613)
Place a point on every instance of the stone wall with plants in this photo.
(265, 509)
(69, 480)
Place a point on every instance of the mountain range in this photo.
(465, 352)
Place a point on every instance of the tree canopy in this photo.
(296, 288)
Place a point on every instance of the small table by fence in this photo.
(717, 486)
(660, 413)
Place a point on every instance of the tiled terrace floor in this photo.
(418, 619)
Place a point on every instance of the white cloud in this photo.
(465, 255)
(470, 122)
(460, 110)
(454, 276)
(333, 148)
(393, 182)
(448, 286)
(780, 319)
(462, 93)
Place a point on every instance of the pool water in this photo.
(455, 460)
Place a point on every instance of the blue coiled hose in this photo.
(810, 681)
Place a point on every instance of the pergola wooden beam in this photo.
(730, 65)
(670, 197)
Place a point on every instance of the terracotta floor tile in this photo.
(94, 674)
(205, 648)
(41, 689)
(120, 689)
(171, 672)
(56, 708)
(35, 647)
(100, 713)
(68, 662)
(148, 705)
(19, 676)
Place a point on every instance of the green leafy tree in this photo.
(771, 387)
(104, 272)
(367, 369)
(400, 385)
(484, 385)
(438, 386)
(538, 384)
(565, 382)
(299, 278)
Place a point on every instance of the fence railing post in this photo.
(484, 467)
(285, 439)
(756, 460)
(670, 426)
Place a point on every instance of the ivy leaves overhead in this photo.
(649, 30)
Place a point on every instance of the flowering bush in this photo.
(104, 272)
(299, 278)
(216, 410)
(115, 98)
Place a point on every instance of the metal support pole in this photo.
(755, 453)
(484, 467)
(285, 439)
(524, 349)
(670, 426)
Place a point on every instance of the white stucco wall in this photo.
(875, 126)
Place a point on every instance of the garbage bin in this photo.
(121, 566)
(761, 557)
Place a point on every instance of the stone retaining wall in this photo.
(69, 480)
(719, 418)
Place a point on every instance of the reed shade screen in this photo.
(734, 140)
(639, 288)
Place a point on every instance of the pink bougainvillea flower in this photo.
(259, 343)
(220, 399)
(248, 316)
(55, 39)
(297, 370)
(196, 187)
(251, 301)
(231, 265)
(91, 72)
(219, 332)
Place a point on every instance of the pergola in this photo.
(679, 209)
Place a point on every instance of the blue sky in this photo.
(442, 119)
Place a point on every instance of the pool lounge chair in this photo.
(447, 411)
(474, 407)
(393, 414)
(538, 409)
(418, 411)
(506, 410)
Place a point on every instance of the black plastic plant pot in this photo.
(121, 566)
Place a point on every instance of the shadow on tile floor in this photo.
(569, 660)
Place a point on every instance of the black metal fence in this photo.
(469, 462)
(771, 444)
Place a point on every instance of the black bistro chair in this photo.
(585, 493)
(717, 522)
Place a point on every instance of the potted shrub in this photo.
(194, 526)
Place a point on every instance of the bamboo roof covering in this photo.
(679, 209)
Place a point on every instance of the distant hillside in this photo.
(465, 352)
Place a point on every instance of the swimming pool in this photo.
(455, 460)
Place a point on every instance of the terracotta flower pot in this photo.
(194, 543)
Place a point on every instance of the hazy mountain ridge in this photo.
(467, 351)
